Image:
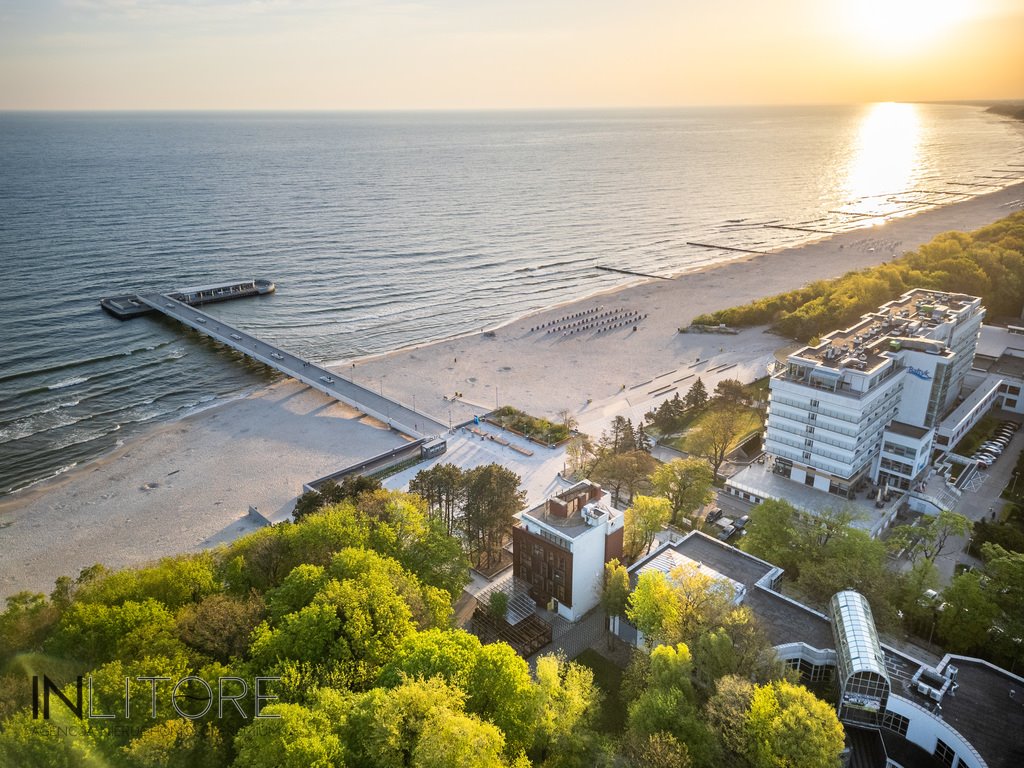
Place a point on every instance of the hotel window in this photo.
(815, 403)
(945, 754)
(895, 723)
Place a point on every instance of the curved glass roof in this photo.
(856, 637)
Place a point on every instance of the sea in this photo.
(383, 230)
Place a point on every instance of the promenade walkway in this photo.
(396, 415)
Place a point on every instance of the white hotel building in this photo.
(861, 407)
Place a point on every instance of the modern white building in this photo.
(560, 547)
(860, 408)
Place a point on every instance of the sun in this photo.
(904, 24)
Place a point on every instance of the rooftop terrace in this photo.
(904, 322)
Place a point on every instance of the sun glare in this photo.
(885, 152)
(904, 24)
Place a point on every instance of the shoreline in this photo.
(259, 447)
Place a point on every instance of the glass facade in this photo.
(863, 681)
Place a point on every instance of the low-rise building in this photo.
(559, 548)
(900, 706)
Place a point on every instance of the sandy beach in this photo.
(188, 485)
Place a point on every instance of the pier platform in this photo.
(128, 306)
(396, 415)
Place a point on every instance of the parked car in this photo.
(727, 533)
(741, 523)
(714, 514)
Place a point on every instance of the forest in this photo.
(988, 262)
(349, 613)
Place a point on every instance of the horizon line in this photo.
(396, 110)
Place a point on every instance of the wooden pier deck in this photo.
(396, 415)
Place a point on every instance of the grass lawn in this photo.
(609, 679)
(754, 424)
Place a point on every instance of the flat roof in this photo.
(863, 346)
(995, 340)
(907, 430)
(574, 525)
(725, 558)
(981, 709)
(668, 559)
(761, 481)
(787, 621)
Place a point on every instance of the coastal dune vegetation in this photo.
(988, 262)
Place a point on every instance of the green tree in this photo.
(580, 451)
(653, 607)
(298, 737)
(178, 743)
(497, 604)
(623, 473)
(696, 397)
(680, 606)
(968, 614)
(331, 493)
(455, 740)
(772, 535)
(614, 593)
(219, 625)
(24, 743)
(730, 391)
(929, 540)
(567, 701)
(719, 430)
(644, 518)
(686, 483)
(787, 726)
(443, 487)
(655, 750)
(384, 725)
(492, 498)
(726, 712)
(667, 703)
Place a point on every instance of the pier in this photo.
(396, 415)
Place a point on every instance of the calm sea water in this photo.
(382, 230)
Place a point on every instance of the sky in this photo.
(503, 54)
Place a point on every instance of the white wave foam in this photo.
(69, 382)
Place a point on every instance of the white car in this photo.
(327, 379)
(277, 355)
(236, 337)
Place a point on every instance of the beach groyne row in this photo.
(597, 320)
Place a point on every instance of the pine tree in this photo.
(697, 397)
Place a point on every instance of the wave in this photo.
(69, 382)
